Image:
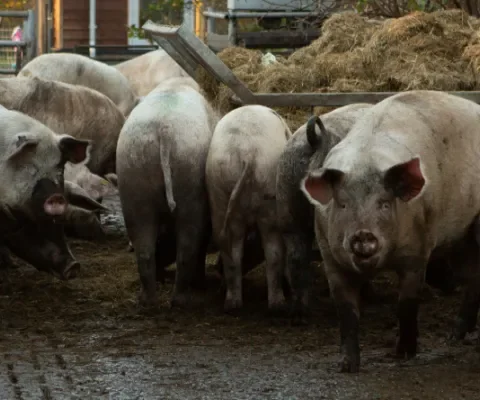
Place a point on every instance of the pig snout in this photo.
(64, 266)
(364, 244)
(71, 271)
(55, 205)
(48, 198)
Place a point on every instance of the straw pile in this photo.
(439, 51)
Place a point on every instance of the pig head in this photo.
(42, 243)
(363, 219)
(32, 160)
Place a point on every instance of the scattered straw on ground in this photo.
(439, 51)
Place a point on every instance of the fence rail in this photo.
(190, 52)
(13, 14)
(14, 53)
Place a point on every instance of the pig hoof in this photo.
(179, 301)
(5, 261)
(232, 305)
(348, 365)
(406, 351)
(147, 300)
(459, 331)
(299, 320)
(278, 308)
(299, 314)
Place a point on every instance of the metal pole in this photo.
(48, 7)
(93, 27)
(210, 21)
(232, 31)
(188, 15)
(40, 26)
(30, 37)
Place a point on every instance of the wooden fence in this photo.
(190, 52)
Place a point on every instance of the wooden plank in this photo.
(183, 40)
(277, 39)
(113, 5)
(331, 99)
(187, 64)
(75, 4)
(59, 24)
(75, 24)
(194, 50)
(217, 42)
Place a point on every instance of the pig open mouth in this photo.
(55, 205)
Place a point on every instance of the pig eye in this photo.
(385, 205)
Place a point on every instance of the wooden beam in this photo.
(58, 24)
(277, 39)
(331, 99)
(184, 41)
(217, 42)
(194, 51)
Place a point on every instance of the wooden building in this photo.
(71, 22)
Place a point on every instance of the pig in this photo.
(94, 185)
(240, 175)
(313, 139)
(147, 71)
(82, 217)
(401, 186)
(32, 158)
(75, 110)
(81, 70)
(42, 242)
(161, 155)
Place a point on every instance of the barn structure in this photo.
(71, 22)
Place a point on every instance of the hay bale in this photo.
(234, 58)
(239, 56)
(340, 33)
(420, 51)
(439, 51)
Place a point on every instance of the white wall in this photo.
(134, 19)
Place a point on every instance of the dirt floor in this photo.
(87, 339)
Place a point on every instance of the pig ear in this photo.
(112, 178)
(405, 180)
(79, 197)
(74, 150)
(315, 139)
(23, 144)
(318, 186)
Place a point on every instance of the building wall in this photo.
(71, 22)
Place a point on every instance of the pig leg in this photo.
(345, 289)
(165, 253)
(199, 281)
(274, 256)
(298, 251)
(191, 229)
(142, 227)
(232, 256)
(5, 260)
(466, 320)
(411, 283)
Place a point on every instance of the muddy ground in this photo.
(87, 339)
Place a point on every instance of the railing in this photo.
(110, 54)
(25, 49)
(190, 52)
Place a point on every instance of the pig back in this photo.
(443, 131)
(298, 154)
(251, 135)
(176, 121)
(81, 70)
